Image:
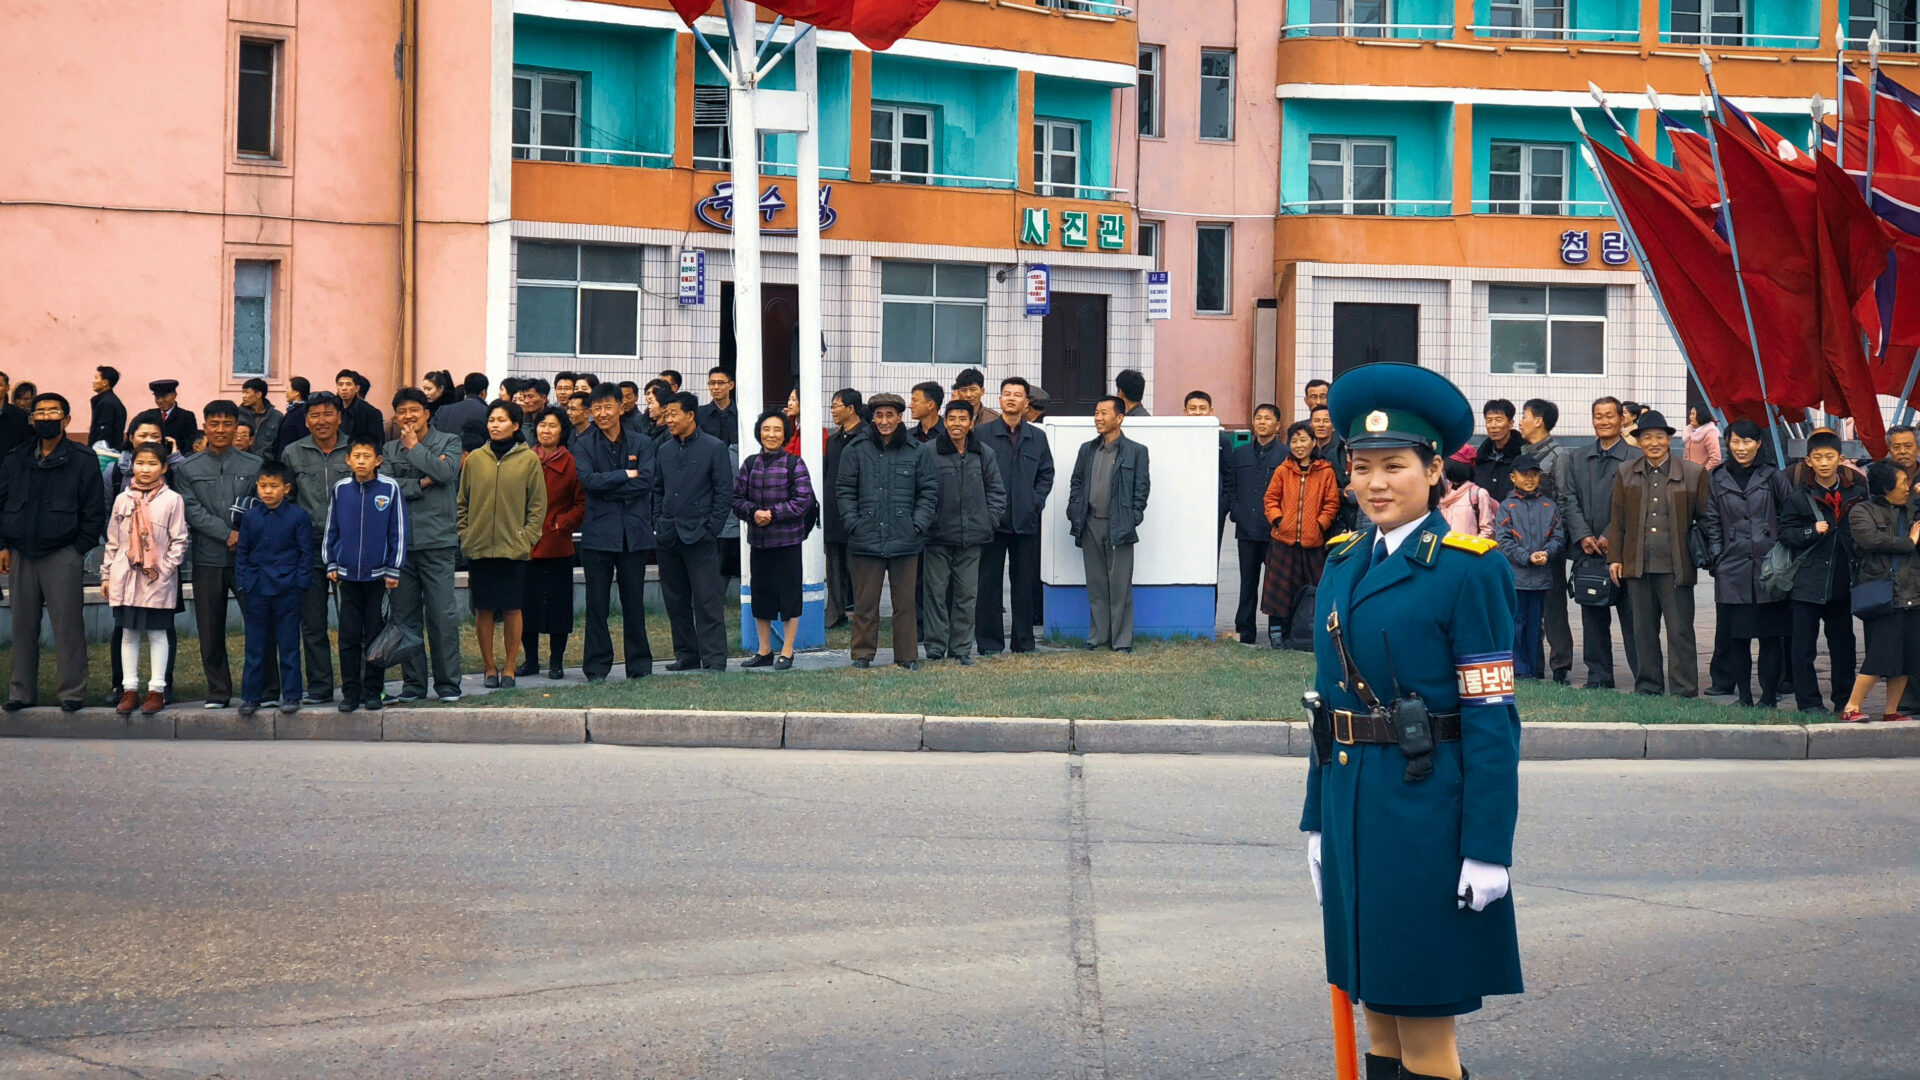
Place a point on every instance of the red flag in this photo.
(1693, 269)
(877, 23)
(1852, 252)
(1896, 130)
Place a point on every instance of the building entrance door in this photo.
(1374, 334)
(1073, 352)
(779, 344)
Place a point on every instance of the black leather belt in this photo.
(1359, 727)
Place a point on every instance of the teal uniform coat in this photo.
(1391, 850)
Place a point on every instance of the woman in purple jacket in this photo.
(774, 496)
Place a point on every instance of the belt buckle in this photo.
(1337, 714)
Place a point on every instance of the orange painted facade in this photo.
(880, 213)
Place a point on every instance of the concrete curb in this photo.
(965, 734)
(987, 734)
(485, 725)
(85, 724)
(1181, 737)
(853, 731)
(685, 727)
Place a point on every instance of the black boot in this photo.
(1382, 1068)
(530, 663)
(556, 656)
(1405, 1075)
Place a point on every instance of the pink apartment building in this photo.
(1208, 190)
(219, 189)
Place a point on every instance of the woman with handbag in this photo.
(547, 604)
(1886, 589)
(774, 496)
(1744, 498)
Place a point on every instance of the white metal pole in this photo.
(749, 386)
(813, 402)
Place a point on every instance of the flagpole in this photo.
(1640, 254)
(1710, 109)
(1840, 95)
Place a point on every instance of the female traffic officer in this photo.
(1412, 798)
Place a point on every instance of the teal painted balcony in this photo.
(1558, 20)
(1417, 20)
(1527, 161)
(944, 125)
(592, 95)
(1366, 158)
(779, 154)
(1755, 24)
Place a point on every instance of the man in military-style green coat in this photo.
(1413, 795)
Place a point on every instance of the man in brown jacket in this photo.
(1657, 500)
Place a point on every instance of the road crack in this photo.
(886, 978)
(1085, 944)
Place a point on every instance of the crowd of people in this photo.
(328, 511)
(1619, 527)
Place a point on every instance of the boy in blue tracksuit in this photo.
(1532, 538)
(272, 569)
(365, 544)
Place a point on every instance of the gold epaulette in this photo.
(1479, 545)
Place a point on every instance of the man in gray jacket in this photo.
(1538, 418)
(1105, 505)
(426, 464)
(318, 461)
(971, 498)
(213, 482)
(1586, 506)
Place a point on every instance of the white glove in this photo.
(1313, 863)
(1480, 884)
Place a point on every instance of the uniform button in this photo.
(1343, 757)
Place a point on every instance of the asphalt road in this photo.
(190, 910)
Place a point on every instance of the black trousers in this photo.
(839, 583)
(1019, 556)
(1596, 628)
(1737, 665)
(1837, 614)
(1253, 559)
(211, 587)
(362, 617)
(690, 584)
(313, 634)
(603, 570)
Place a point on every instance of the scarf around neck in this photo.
(142, 550)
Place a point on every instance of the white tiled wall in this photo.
(1643, 363)
(688, 337)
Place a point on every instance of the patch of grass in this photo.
(1183, 679)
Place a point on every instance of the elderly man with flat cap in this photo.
(1413, 793)
(176, 423)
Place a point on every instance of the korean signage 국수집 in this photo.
(1039, 289)
(693, 278)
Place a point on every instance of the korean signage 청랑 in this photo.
(1575, 250)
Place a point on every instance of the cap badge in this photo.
(1376, 422)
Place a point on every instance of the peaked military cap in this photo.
(1389, 406)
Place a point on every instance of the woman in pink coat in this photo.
(140, 573)
(1703, 440)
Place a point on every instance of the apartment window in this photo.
(1056, 158)
(1526, 178)
(1212, 269)
(1151, 57)
(1528, 18)
(1350, 18)
(578, 300)
(1894, 19)
(1710, 22)
(1216, 94)
(252, 318)
(258, 101)
(902, 144)
(1548, 330)
(546, 113)
(712, 142)
(1147, 242)
(933, 313)
(1349, 176)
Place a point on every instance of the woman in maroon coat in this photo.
(548, 604)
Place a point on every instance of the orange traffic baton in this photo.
(1346, 1051)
